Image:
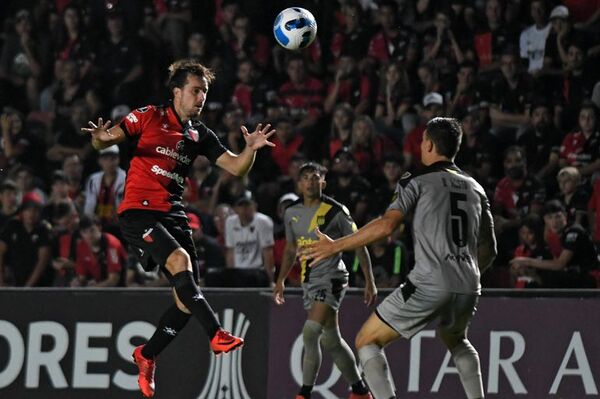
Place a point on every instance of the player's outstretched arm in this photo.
(289, 257)
(103, 135)
(373, 231)
(370, 293)
(240, 164)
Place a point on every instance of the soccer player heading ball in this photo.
(152, 217)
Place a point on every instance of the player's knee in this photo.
(182, 307)
(180, 304)
(311, 332)
(450, 338)
(178, 261)
(362, 339)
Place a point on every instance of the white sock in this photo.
(466, 361)
(377, 371)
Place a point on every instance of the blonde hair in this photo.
(569, 172)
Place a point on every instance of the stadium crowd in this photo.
(523, 77)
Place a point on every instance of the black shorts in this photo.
(155, 235)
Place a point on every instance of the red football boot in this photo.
(146, 376)
(224, 342)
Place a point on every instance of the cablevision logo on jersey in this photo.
(157, 170)
(171, 153)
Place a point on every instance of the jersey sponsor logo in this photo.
(464, 257)
(179, 146)
(302, 241)
(157, 170)
(171, 153)
(132, 118)
(146, 236)
(142, 109)
(193, 133)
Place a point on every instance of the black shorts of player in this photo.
(154, 235)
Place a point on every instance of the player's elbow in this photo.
(388, 226)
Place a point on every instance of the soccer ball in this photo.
(295, 28)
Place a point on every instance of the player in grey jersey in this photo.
(325, 284)
(454, 241)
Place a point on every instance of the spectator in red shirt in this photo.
(578, 259)
(531, 236)
(100, 257)
(368, 147)
(433, 106)
(349, 86)
(245, 43)
(72, 42)
(65, 232)
(287, 143)
(516, 195)
(302, 94)
(251, 92)
(392, 40)
(582, 148)
(493, 36)
(352, 38)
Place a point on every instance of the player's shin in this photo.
(189, 293)
(311, 361)
(377, 371)
(171, 322)
(343, 358)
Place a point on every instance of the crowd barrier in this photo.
(77, 343)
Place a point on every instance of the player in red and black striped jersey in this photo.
(152, 220)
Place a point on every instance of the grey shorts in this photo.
(328, 290)
(408, 309)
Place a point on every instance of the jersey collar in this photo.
(173, 114)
